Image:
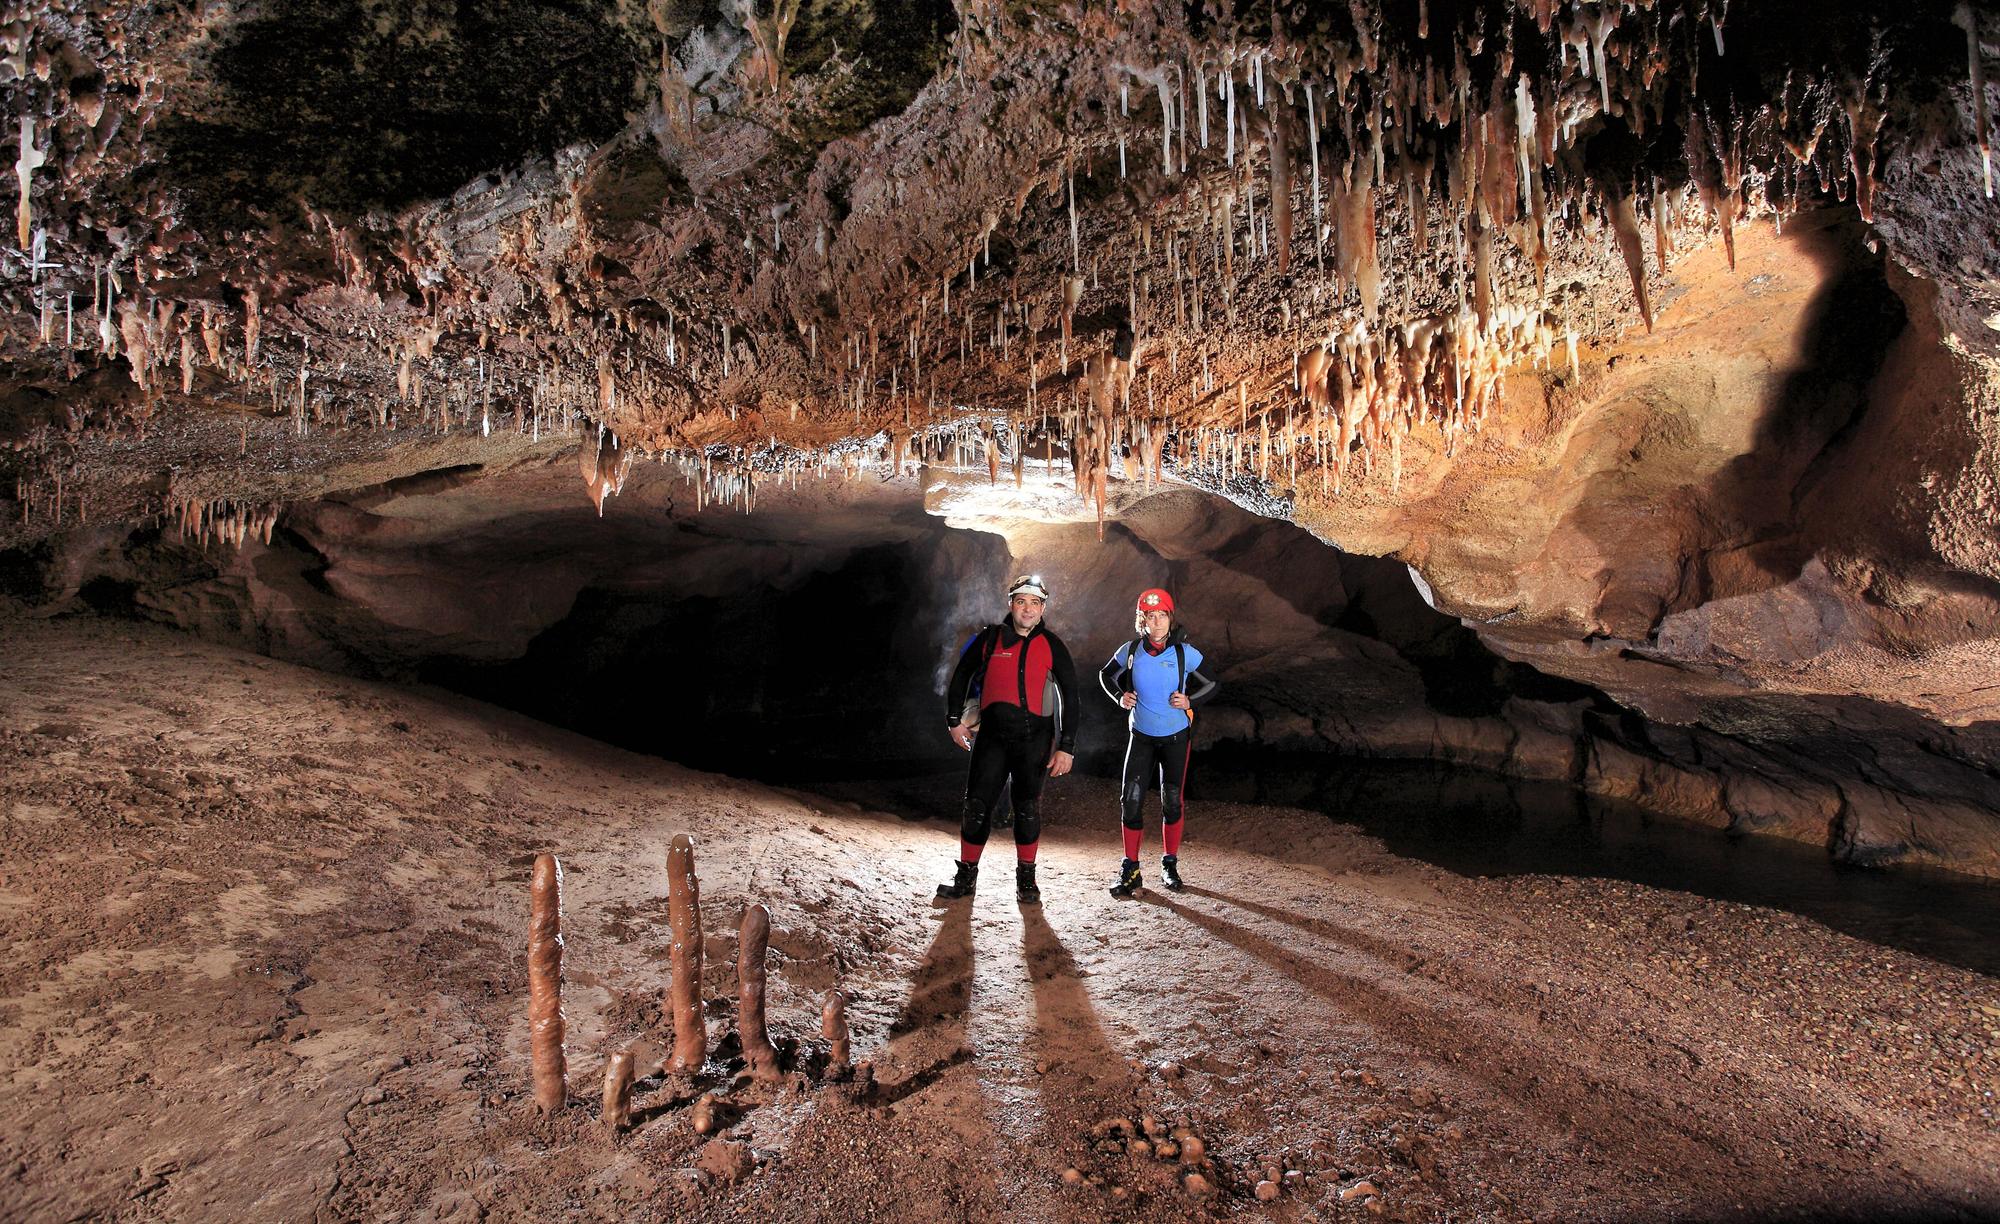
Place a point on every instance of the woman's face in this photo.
(1157, 624)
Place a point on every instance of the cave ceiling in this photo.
(1602, 315)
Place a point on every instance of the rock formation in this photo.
(1381, 271)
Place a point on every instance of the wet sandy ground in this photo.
(264, 960)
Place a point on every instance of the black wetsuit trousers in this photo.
(1155, 756)
(1010, 744)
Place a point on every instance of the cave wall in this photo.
(814, 636)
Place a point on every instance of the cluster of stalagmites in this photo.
(687, 1049)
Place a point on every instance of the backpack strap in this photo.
(984, 640)
(1021, 663)
(1180, 661)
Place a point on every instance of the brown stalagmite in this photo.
(684, 922)
(752, 939)
(833, 1027)
(618, 1092)
(545, 949)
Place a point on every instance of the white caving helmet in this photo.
(1029, 584)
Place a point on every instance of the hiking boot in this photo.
(1170, 871)
(962, 884)
(1025, 887)
(1128, 879)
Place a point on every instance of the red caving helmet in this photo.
(1155, 600)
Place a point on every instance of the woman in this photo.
(1157, 677)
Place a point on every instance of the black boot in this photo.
(962, 884)
(1025, 887)
(1170, 871)
(1128, 879)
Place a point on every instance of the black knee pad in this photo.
(1170, 802)
(1134, 806)
(974, 823)
(1028, 823)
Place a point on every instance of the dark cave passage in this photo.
(808, 646)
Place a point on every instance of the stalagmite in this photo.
(752, 940)
(545, 950)
(618, 1092)
(690, 1047)
(833, 1027)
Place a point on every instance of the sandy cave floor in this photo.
(264, 960)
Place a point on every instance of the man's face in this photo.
(1026, 611)
(1157, 623)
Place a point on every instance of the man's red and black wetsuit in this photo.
(1027, 711)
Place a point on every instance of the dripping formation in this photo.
(1346, 227)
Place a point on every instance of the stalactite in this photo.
(1625, 227)
(1281, 181)
(1963, 17)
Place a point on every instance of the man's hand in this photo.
(1059, 763)
(1180, 702)
(1128, 700)
(962, 736)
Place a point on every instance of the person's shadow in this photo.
(933, 1018)
(1087, 1079)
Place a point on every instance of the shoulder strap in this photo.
(1180, 658)
(984, 640)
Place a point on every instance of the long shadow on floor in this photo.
(933, 1017)
(1087, 1079)
(1388, 951)
(1692, 1136)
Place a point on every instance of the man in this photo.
(1012, 704)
